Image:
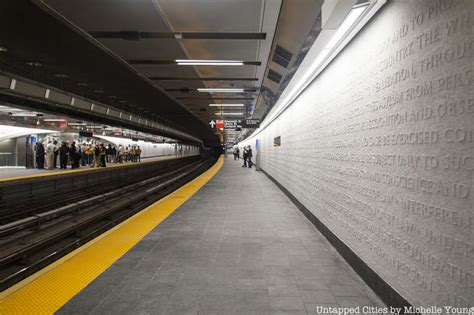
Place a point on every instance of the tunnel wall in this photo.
(380, 148)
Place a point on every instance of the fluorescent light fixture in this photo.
(54, 119)
(349, 20)
(229, 114)
(334, 45)
(226, 105)
(220, 90)
(195, 62)
(24, 114)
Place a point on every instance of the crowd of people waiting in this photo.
(76, 155)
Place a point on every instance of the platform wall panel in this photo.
(380, 148)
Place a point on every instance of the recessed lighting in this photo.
(220, 90)
(226, 105)
(3, 49)
(61, 75)
(194, 62)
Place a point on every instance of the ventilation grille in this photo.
(282, 56)
(274, 76)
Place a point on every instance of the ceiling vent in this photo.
(274, 76)
(282, 56)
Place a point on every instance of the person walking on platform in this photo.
(244, 155)
(103, 153)
(50, 148)
(40, 154)
(63, 153)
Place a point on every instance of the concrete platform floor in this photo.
(238, 246)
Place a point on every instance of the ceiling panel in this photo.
(106, 15)
(163, 49)
(171, 16)
(245, 50)
(212, 15)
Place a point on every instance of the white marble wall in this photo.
(380, 148)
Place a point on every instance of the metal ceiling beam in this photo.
(138, 35)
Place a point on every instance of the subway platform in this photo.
(14, 173)
(229, 242)
(238, 246)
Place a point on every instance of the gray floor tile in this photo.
(238, 246)
(286, 303)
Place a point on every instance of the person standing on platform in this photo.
(119, 154)
(56, 153)
(40, 154)
(103, 153)
(138, 153)
(249, 157)
(96, 156)
(90, 154)
(125, 154)
(244, 155)
(63, 153)
(50, 148)
(77, 158)
(72, 154)
(108, 153)
(114, 154)
(236, 153)
(84, 156)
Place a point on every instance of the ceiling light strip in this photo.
(226, 105)
(221, 90)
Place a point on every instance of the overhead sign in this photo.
(250, 123)
(212, 123)
(232, 124)
(219, 124)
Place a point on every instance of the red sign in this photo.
(219, 124)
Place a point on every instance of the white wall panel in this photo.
(380, 147)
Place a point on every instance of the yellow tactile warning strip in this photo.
(83, 169)
(49, 289)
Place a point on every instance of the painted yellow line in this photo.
(83, 169)
(49, 289)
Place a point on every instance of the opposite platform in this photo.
(238, 246)
(16, 174)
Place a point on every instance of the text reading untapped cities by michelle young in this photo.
(395, 310)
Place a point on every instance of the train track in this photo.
(38, 238)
